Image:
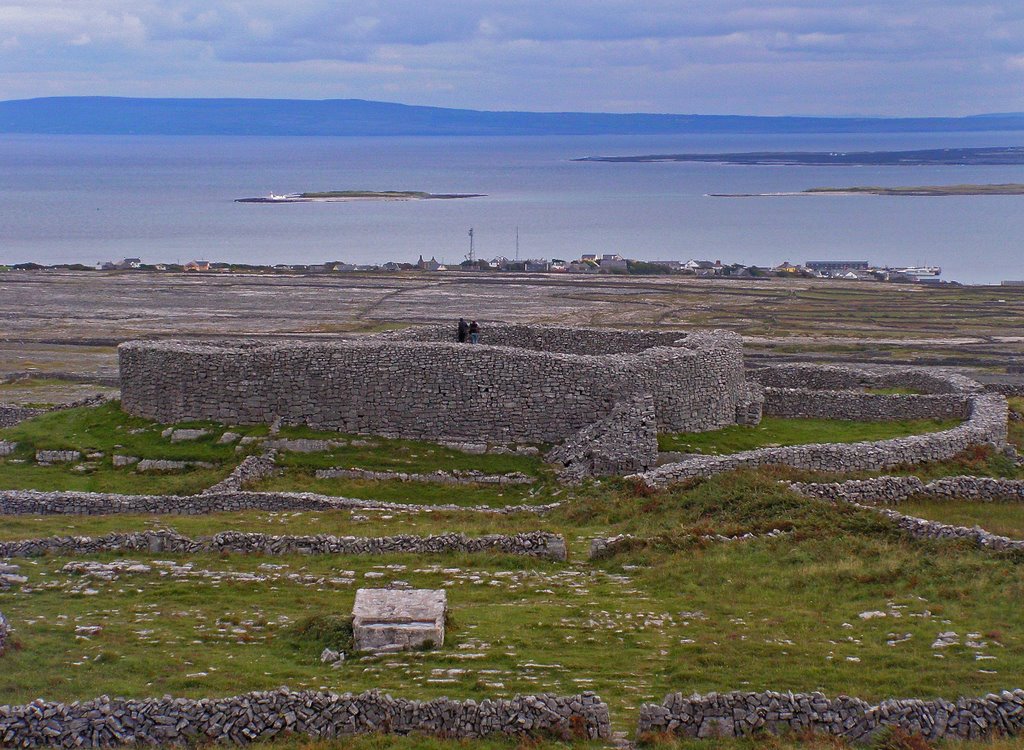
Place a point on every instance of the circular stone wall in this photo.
(429, 389)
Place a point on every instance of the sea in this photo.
(88, 199)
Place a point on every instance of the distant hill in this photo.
(121, 116)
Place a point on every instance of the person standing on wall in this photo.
(474, 333)
(463, 330)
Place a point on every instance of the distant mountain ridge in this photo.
(305, 117)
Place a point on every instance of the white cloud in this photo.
(767, 56)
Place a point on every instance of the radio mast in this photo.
(471, 257)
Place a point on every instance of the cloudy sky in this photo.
(830, 57)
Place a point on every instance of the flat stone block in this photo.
(398, 620)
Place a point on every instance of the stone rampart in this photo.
(802, 403)
(539, 544)
(260, 716)
(563, 339)
(66, 503)
(432, 390)
(986, 424)
(819, 377)
(743, 714)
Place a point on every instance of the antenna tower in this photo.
(472, 256)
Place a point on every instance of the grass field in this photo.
(779, 431)
(839, 602)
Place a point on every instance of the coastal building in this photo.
(197, 265)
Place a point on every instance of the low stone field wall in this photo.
(894, 490)
(804, 403)
(922, 528)
(242, 719)
(742, 714)
(64, 503)
(539, 544)
(985, 425)
(12, 415)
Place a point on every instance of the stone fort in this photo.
(522, 384)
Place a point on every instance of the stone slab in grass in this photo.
(179, 436)
(388, 620)
(57, 457)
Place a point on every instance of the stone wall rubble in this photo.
(742, 714)
(539, 544)
(36, 503)
(624, 442)
(243, 719)
(251, 469)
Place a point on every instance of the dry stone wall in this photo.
(819, 377)
(986, 420)
(802, 403)
(243, 719)
(563, 339)
(540, 544)
(441, 391)
(11, 415)
(894, 490)
(36, 503)
(743, 714)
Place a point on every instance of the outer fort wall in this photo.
(429, 390)
(950, 395)
(563, 339)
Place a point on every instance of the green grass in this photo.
(418, 493)
(1005, 518)
(772, 612)
(777, 431)
(109, 430)
(385, 454)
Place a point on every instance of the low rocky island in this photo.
(1002, 155)
(340, 196)
(931, 191)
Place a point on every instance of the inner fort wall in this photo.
(388, 385)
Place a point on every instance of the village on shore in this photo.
(588, 263)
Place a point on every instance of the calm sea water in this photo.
(166, 199)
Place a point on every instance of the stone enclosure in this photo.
(523, 384)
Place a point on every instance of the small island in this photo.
(928, 191)
(999, 155)
(339, 196)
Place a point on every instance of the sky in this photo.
(763, 57)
